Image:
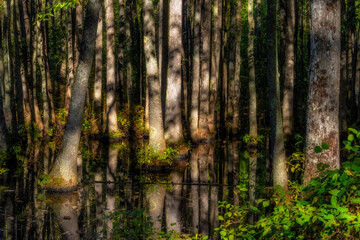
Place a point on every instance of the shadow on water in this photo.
(117, 197)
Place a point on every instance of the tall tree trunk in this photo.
(324, 79)
(78, 33)
(173, 120)
(111, 116)
(289, 69)
(215, 64)
(98, 75)
(277, 137)
(70, 70)
(205, 69)
(7, 71)
(156, 135)
(236, 97)
(65, 168)
(194, 116)
(129, 84)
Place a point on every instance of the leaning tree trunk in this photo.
(324, 83)
(63, 175)
(173, 121)
(156, 134)
(277, 137)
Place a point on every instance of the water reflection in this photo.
(183, 200)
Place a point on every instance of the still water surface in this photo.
(184, 198)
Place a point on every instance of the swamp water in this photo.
(118, 199)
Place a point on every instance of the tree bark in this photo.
(277, 138)
(70, 65)
(194, 116)
(111, 116)
(289, 69)
(205, 69)
(65, 169)
(324, 79)
(215, 64)
(173, 120)
(156, 134)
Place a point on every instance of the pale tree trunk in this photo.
(156, 134)
(205, 69)
(194, 172)
(173, 120)
(215, 64)
(194, 116)
(41, 62)
(173, 201)
(121, 52)
(98, 75)
(70, 65)
(277, 138)
(65, 166)
(111, 116)
(289, 68)
(324, 79)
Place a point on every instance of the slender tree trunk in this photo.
(173, 120)
(236, 97)
(7, 72)
(194, 116)
(70, 65)
(78, 33)
(205, 68)
(98, 75)
(289, 69)
(65, 168)
(156, 135)
(129, 84)
(111, 116)
(277, 138)
(324, 80)
(215, 64)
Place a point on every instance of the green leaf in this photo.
(356, 200)
(333, 201)
(350, 137)
(317, 149)
(266, 203)
(324, 146)
(353, 131)
(299, 221)
(334, 192)
(255, 209)
(221, 218)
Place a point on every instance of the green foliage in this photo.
(131, 225)
(327, 208)
(57, 6)
(148, 156)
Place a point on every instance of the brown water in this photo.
(183, 199)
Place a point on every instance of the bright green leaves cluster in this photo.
(49, 11)
(352, 144)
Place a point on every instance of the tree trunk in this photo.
(64, 170)
(205, 69)
(111, 116)
(289, 68)
(215, 64)
(156, 135)
(173, 120)
(70, 70)
(324, 79)
(129, 84)
(277, 138)
(194, 116)
(98, 75)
